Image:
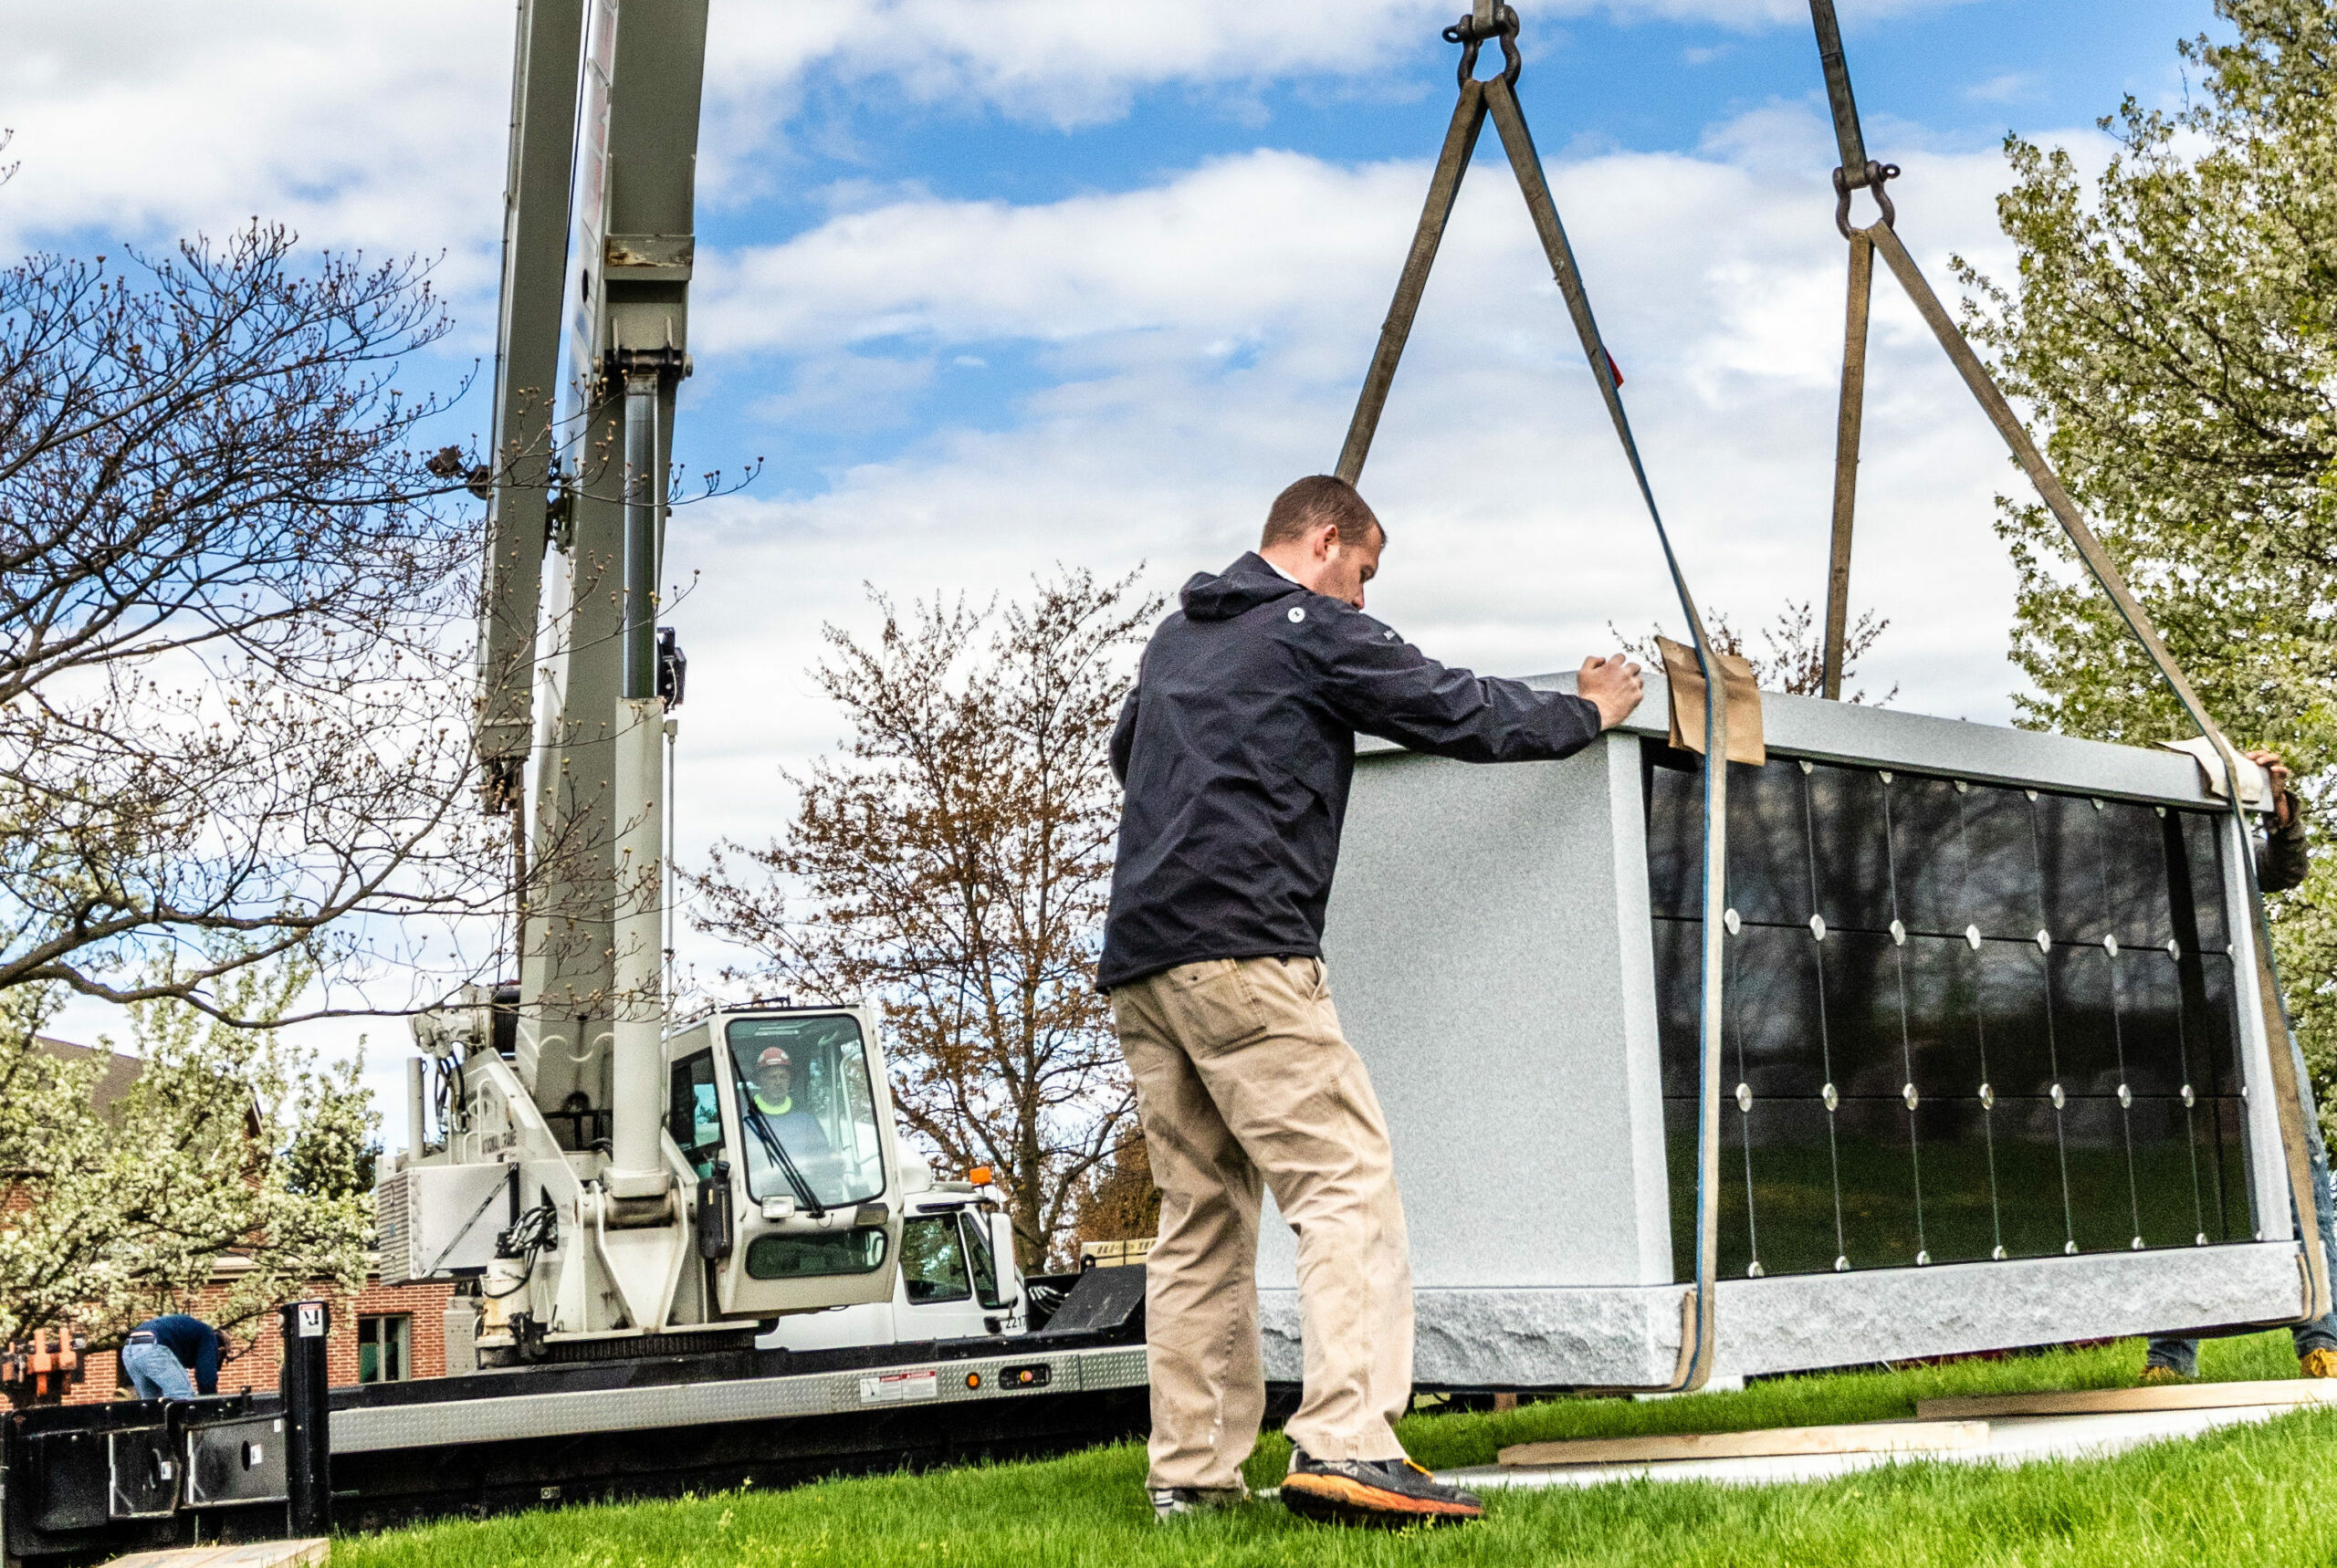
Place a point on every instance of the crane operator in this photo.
(776, 1107)
(1237, 747)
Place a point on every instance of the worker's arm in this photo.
(2280, 860)
(206, 1365)
(1123, 738)
(1384, 686)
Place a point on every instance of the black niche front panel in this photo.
(1963, 1021)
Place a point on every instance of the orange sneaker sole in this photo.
(1342, 1500)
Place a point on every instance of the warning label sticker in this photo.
(897, 1387)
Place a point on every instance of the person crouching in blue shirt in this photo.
(162, 1352)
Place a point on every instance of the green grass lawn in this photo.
(2254, 1494)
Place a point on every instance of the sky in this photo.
(992, 286)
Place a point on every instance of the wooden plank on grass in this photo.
(1860, 1438)
(2153, 1397)
(247, 1554)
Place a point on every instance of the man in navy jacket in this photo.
(162, 1353)
(1237, 747)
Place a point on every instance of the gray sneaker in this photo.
(1372, 1491)
(1171, 1503)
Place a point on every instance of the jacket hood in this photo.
(1238, 589)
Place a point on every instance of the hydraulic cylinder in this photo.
(637, 1102)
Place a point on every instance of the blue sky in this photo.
(998, 284)
(1953, 77)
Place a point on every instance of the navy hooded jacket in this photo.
(194, 1342)
(1237, 746)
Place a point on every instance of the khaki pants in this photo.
(1241, 1074)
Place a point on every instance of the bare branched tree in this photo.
(1795, 661)
(1120, 1202)
(233, 694)
(953, 863)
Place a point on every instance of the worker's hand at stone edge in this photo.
(1614, 684)
(2284, 806)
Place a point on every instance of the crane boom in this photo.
(587, 1158)
(527, 366)
(625, 303)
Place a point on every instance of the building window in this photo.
(382, 1349)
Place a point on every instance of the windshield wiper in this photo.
(787, 1167)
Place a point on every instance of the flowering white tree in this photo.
(229, 1147)
(2173, 325)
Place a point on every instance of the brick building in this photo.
(385, 1333)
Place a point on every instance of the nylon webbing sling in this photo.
(2287, 1063)
(1496, 97)
(1855, 171)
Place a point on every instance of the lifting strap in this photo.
(1856, 171)
(1497, 97)
(2289, 1083)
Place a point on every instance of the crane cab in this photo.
(783, 1116)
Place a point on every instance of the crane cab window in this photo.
(691, 1116)
(933, 1260)
(858, 1251)
(807, 1114)
(983, 1258)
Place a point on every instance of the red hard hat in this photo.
(773, 1056)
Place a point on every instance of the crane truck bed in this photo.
(85, 1482)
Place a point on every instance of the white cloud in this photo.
(1072, 63)
(1070, 66)
(1746, 14)
(1066, 65)
(380, 127)
(2009, 88)
(1234, 246)
(860, 393)
(383, 126)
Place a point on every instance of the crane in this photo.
(652, 1211)
(602, 1173)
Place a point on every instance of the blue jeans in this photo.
(155, 1372)
(2182, 1356)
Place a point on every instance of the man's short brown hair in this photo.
(1310, 503)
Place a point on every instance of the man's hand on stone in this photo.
(1614, 684)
